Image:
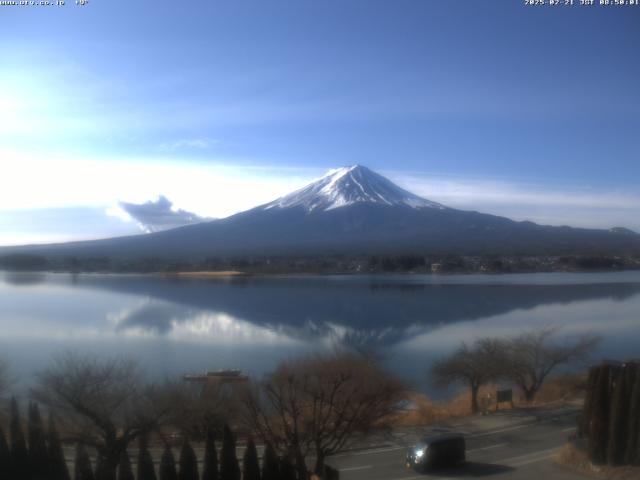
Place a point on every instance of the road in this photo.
(507, 446)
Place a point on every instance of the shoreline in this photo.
(204, 274)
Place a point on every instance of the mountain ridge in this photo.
(352, 210)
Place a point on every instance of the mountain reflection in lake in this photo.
(176, 325)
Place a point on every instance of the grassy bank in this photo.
(424, 411)
(575, 458)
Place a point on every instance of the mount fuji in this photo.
(351, 210)
(347, 186)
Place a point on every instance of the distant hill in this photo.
(352, 210)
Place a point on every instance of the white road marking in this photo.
(419, 477)
(568, 429)
(497, 445)
(352, 469)
(533, 460)
(526, 458)
(369, 452)
(508, 429)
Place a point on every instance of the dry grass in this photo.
(572, 457)
(564, 387)
(428, 412)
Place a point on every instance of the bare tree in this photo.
(198, 412)
(472, 365)
(104, 402)
(320, 404)
(530, 357)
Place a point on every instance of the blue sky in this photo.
(530, 112)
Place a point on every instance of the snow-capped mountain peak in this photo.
(349, 185)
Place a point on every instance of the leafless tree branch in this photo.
(320, 404)
(105, 403)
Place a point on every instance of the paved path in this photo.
(510, 445)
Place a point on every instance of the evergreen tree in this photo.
(210, 467)
(616, 448)
(597, 443)
(19, 464)
(83, 469)
(188, 462)
(229, 468)
(37, 444)
(270, 465)
(125, 472)
(168, 465)
(250, 464)
(146, 471)
(57, 462)
(5, 455)
(287, 471)
(632, 456)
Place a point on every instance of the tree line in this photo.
(338, 263)
(308, 409)
(39, 455)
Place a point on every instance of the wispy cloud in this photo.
(188, 143)
(541, 202)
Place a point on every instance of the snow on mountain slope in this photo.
(346, 186)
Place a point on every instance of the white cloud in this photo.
(188, 143)
(154, 216)
(546, 203)
(32, 182)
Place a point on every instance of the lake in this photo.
(183, 325)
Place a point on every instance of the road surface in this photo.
(509, 445)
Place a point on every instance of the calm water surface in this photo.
(173, 326)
